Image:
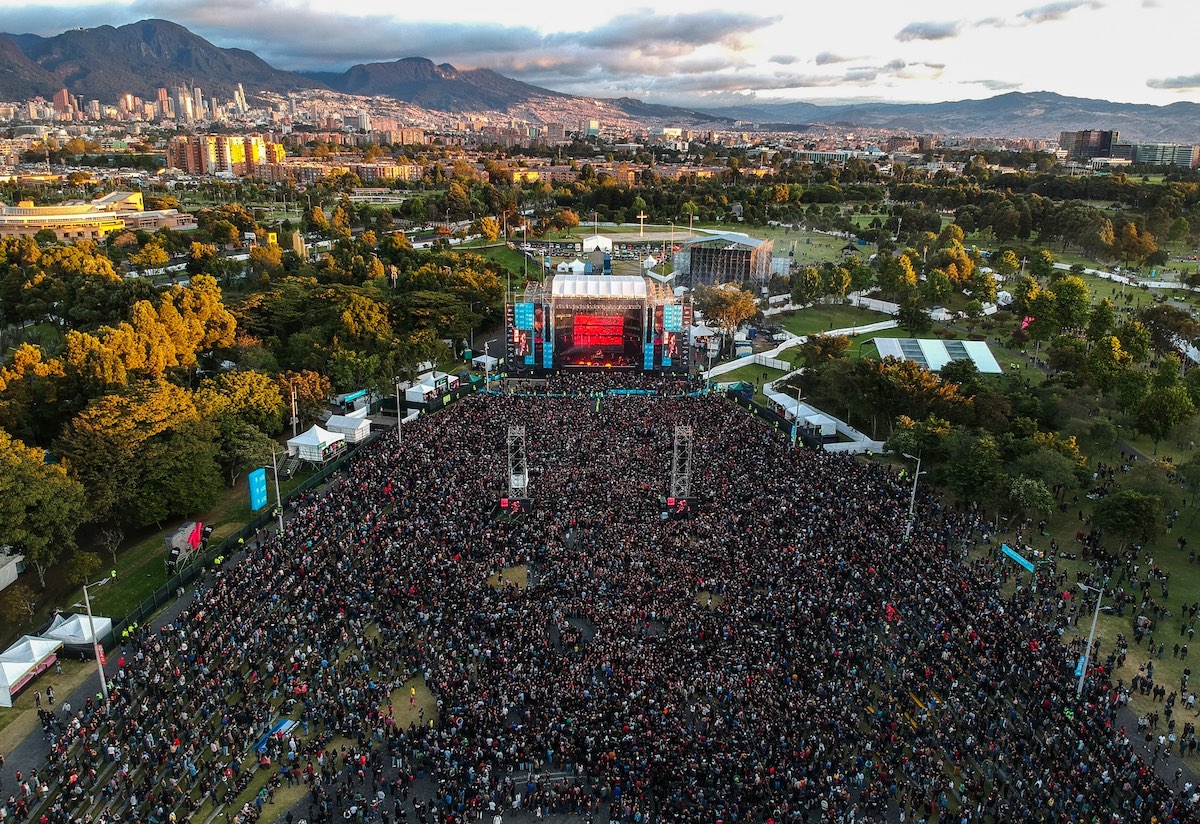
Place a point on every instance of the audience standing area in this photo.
(784, 646)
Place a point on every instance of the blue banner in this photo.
(1016, 556)
(1079, 666)
(672, 318)
(648, 356)
(258, 489)
(523, 316)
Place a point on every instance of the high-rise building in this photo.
(62, 101)
(1159, 154)
(239, 100)
(197, 103)
(1088, 144)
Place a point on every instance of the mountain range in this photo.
(106, 62)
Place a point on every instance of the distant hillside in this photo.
(20, 77)
(106, 62)
(442, 87)
(1016, 114)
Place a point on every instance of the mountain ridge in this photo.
(106, 62)
(1040, 114)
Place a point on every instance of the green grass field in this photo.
(822, 318)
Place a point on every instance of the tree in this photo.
(937, 287)
(1135, 340)
(315, 219)
(41, 508)
(1163, 409)
(1102, 320)
(82, 567)
(1049, 466)
(248, 396)
(962, 372)
(266, 260)
(1030, 496)
(1072, 300)
(1129, 515)
(17, 605)
(912, 315)
(566, 219)
(806, 286)
(107, 445)
(151, 256)
(1007, 263)
(312, 389)
(111, 538)
(835, 280)
(819, 349)
(489, 227)
(1106, 361)
(1042, 264)
(727, 306)
(1169, 327)
(1025, 292)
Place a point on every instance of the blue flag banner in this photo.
(258, 489)
(1016, 556)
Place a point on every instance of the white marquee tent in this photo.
(355, 429)
(316, 444)
(76, 630)
(21, 662)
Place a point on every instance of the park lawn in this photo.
(407, 714)
(755, 374)
(822, 318)
(507, 258)
(19, 720)
(517, 575)
(141, 569)
(1183, 587)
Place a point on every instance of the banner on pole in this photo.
(1016, 556)
(258, 489)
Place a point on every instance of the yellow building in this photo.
(90, 221)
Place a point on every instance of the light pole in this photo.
(1087, 653)
(796, 419)
(399, 417)
(487, 380)
(278, 497)
(912, 499)
(87, 602)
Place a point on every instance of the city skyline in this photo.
(703, 55)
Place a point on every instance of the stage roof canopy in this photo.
(599, 286)
(933, 354)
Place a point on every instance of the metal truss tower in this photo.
(518, 465)
(681, 463)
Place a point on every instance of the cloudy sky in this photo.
(695, 51)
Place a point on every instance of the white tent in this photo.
(650, 262)
(76, 630)
(354, 429)
(485, 362)
(315, 445)
(593, 242)
(21, 662)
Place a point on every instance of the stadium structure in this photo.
(723, 257)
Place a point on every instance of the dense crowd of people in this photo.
(783, 655)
